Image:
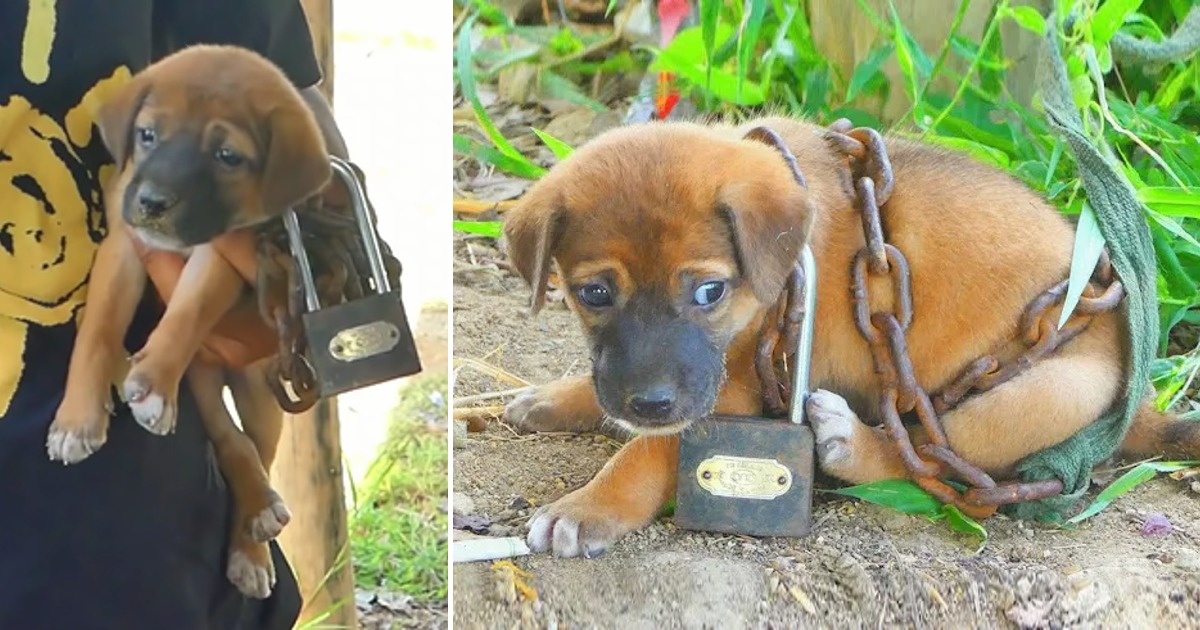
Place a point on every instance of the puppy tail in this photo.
(1153, 433)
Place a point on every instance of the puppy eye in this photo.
(146, 136)
(709, 293)
(228, 157)
(595, 295)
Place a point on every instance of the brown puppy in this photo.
(673, 239)
(208, 140)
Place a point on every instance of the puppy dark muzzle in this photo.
(152, 202)
(653, 369)
(176, 169)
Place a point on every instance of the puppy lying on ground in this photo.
(208, 141)
(672, 240)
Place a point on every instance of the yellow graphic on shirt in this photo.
(38, 40)
(49, 228)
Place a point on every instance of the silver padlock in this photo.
(363, 341)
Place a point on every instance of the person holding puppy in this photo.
(136, 536)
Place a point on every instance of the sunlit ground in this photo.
(392, 89)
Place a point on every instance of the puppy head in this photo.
(670, 238)
(215, 138)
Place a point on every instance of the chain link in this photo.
(886, 334)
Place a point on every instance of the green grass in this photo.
(398, 531)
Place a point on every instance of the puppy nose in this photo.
(153, 202)
(656, 402)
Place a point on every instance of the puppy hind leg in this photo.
(846, 447)
(250, 567)
(1042, 407)
(262, 419)
(1154, 433)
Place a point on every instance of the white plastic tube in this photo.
(475, 549)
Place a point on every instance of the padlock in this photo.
(752, 475)
(360, 342)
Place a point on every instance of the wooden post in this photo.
(308, 467)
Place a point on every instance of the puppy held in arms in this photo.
(674, 241)
(207, 141)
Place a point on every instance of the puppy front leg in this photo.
(207, 289)
(625, 495)
(80, 425)
(567, 405)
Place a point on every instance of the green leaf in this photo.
(1089, 243)
(868, 69)
(1171, 201)
(962, 523)
(465, 62)
(520, 168)
(979, 151)
(1109, 18)
(560, 149)
(677, 57)
(487, 228)
(1028, 18)
(1137, 476)
(748, 39)
(1173, 226)
(710, 13)
(555, 85)
(905, 55)
(898, 494)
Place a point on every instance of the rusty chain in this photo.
(885, 333)
(341, 271)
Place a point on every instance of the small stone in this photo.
(1187, 559)
(463, 504)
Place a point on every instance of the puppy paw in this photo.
(154, 411)
(576, 527)
(71, 446)
(251, 571)
(567, 405)
(833, 423)
(77, 432)
(270, 521)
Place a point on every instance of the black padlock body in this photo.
(725, 443)
(384, 312)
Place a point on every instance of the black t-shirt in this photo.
(132, 536)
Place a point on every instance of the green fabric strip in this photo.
(1122, 222)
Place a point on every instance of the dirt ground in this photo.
(862, 566)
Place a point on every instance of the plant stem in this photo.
(962, 85)
(941, 58)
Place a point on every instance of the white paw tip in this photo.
(270, 522)
(69, 448)
(153, 413)
(249, 578)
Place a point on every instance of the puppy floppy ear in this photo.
(115, 118)
(768, 228)
(297, 162)
(532, 234)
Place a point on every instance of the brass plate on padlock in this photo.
(366, 340)
(743, 477)
(720, 441)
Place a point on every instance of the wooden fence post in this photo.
(308, 470)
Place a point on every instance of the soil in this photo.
(862, 565)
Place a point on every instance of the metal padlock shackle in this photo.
(366, 226)
(804, 344)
